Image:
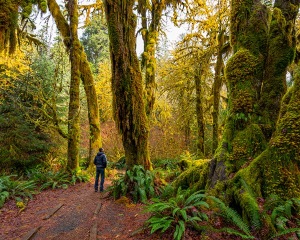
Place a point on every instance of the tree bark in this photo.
(74, 105)
(199, 112)
(150, 37)
(216, 92)
(276, 166)
(129, 109)
(86, 77)
(282, 42)
(242, 138)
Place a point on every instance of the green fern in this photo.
(159, 223)
(231, 215)
(55, 180)
(177, 212)
(11, 188)
(287, 231)
(79, 177)
(137, 182)
(235, 232)
(282, 212)
(4, 195)
(272, 201)
(248, 200)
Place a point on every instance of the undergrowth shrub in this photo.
(284, 215)
(10, 187)
(79, 176)
(138, 184)
(188, 209)
(231, 216)
(34, 180)
(177, 212)
(120, 163)
(49, 179)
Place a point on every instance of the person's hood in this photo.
(100, 153)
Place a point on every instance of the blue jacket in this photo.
(100, 160)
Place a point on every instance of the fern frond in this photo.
(235, 232)
(196, 196)
(287, 231)
(232, 215)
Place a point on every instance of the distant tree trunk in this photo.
(199, 113)
(93, 108)
(129, 109)
(86, 77)
(216, 92)
(74, 105)
(184, 110)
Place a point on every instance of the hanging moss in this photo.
(42, 4)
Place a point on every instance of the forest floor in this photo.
(82, 214)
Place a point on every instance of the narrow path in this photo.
(75, 219)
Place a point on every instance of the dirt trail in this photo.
(75, 219)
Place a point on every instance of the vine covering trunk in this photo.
(129, 109)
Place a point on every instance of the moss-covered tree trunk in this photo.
(199, 113)
(74, 104)
(281, 53)
(242, 138)
(277, 169)
(8, 25)
(86, 77)
(150, 38)
(258, 51)
(216, 92)
(252, 160)
(129, 109)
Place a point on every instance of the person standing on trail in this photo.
(100, 161)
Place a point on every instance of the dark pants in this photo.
(98, 172)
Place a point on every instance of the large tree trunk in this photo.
(244, 137)
(281, 53)
(86, 77)
(129, 110)
(74, 105)
(275, 169)
(244, 167)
